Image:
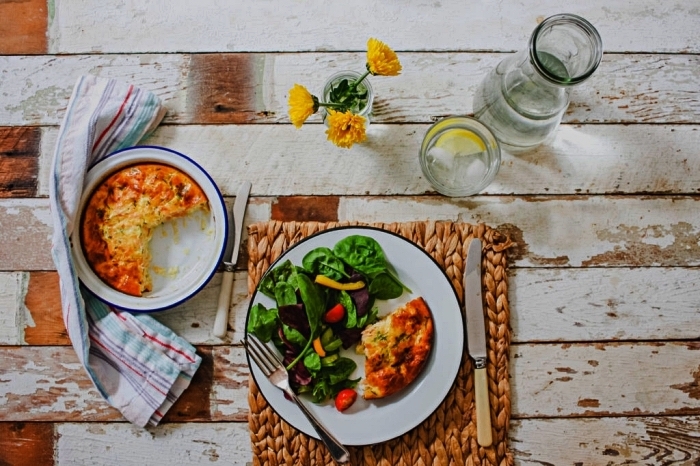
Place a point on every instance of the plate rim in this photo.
(452, 379)
(81, 203)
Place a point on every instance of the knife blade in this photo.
(239, 206)
(476, 340)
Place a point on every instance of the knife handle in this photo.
(221, 321)
(483, 411)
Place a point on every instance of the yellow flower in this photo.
(301, 105)
(345, 129)
(381, 60)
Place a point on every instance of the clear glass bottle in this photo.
(524, 98)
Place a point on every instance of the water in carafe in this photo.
(524, 98)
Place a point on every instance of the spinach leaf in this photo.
(262, 322)
(314, 306)
(385, 286)
(285, 272)
(369, 318)
(294, 336)
(312, 361)
(321, 391)
(350, 309)
(285, 294)
(340, 370)
(362, 253)
(322, 261)
(313, 303)
(365, 255)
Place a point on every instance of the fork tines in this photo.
(266, 360)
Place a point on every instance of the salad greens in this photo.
(353, 275)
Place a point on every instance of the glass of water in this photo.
(459, 156)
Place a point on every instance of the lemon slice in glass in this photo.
(460, 142)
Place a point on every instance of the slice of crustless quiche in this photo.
(396, 349)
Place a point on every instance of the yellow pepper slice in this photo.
(330, 283)
(318, 347)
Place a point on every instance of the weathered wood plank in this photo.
(42, 382)
(82, 26)
(550, 231)
(27, 443)
(604, 304)
(120, 444)
(611, 441)
(578, 231)
(24, 27)
(42, 303)
(671, 440)
(600, 379)
(26, 223)
(14, 318)
(305, 209)
(574, 305)
(25, 234)
(19, 161)
(548, 380)
(582, 159)
(253, 88)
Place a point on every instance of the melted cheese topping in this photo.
(121, 214)
(396, 349)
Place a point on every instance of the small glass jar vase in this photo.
(361, 106)
(524, 98)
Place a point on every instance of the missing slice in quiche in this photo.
(396, 349)
(121, 214)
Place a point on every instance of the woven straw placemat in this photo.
(446, 437)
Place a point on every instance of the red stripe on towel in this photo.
(114, 120)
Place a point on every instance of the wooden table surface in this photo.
(604, 284)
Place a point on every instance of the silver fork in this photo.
(274, 370)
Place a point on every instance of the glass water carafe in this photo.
(523, 99)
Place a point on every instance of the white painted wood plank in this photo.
(123, 444)
(580, 231)
(626, 88)
(576, 231)
(25, 235)
(13, 313)
(567, 305)
(43, 382)
(604, 304)
(83, 26)
(26, 229)
(36, 89)
(229, 396)
(602, 379)
(587, 159)
(194, 319)
(610, 441)
(547, 380)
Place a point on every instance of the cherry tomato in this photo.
(335, 314)
(345, 398)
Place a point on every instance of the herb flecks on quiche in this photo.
(121, 215)
(396, 349)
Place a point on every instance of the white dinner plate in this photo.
(185, 252)
(368, 422)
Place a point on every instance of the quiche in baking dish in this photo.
(396, 349)
(120, 217)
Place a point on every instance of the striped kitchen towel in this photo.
(140, 366)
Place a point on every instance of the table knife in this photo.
(476, 341)
(239, 205)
